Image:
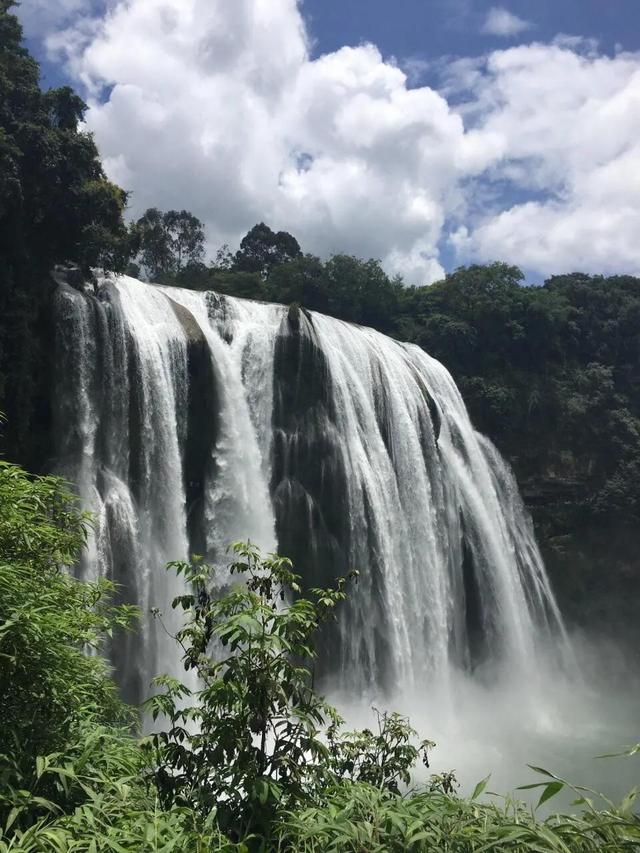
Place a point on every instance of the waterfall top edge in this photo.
(104, 278)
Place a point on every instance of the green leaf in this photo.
(480, 787)
(541, 770)
(551, 790)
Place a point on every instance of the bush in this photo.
(49, 685)
(256, 739)
(358, 818)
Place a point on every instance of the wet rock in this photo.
(202, 424)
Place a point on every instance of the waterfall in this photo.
(189, 420)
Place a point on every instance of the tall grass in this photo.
(363, 819)
(120, 813)
(108, 805)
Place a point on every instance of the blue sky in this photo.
(428, 133)
(433, 28)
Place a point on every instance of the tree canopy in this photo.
(165, 244)
(56, 206)
(261, 249)
(56, 203)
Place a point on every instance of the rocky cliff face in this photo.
(202, 424)
(594, 567)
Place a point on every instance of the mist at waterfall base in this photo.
(494, 727)
(190, 420)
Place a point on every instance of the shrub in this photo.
(49, 684)
(256, 739)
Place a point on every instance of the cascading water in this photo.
(189, 420)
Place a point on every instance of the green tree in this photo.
(167, 244)
(360, 291)
(261, 249)
(246, 285)
(49, 167)
(56, 207)
(256, 738)
(301, 280)
(49, 685)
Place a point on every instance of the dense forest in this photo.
(551, 373)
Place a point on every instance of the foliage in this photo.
(107, 806)
(262, 249)
(256, 738)
(248, 738)
(55, 190)
(56, 206)
(360, 817)
(349, 818)
(255, 752)
(382, 759)
(249, 285)
(49, 685)
(167, 243)
(300, 281)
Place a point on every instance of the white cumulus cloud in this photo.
(502, 22)
(573, 147)
(220, 108)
